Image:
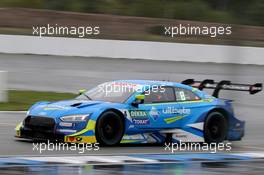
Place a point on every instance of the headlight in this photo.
(75, 118)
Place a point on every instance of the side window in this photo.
(162, 95)
(185, 95)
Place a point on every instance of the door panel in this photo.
(160, 115)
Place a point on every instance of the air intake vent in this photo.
(40, 124)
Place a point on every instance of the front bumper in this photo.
(84, 136)
(38, 135)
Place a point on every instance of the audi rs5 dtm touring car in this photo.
(152, 112)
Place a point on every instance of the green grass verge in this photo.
(22, 100)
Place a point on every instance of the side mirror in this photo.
(139, 99)
(82, 91)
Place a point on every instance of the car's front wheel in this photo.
(109, 129)
(215, 128)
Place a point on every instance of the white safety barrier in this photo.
(131, 49)
(3, 86)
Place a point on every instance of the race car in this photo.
(139, 111)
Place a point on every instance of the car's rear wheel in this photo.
(109, 129)
(215, 128)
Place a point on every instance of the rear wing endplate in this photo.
(223, 85)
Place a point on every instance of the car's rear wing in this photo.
(223, 85)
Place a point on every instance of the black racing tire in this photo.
(109, 129)
(215, 128)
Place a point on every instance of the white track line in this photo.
(54, 160)
(87, 159)
(251, 154)
(7, 124)
(13, 112)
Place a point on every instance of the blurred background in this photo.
(139, 19)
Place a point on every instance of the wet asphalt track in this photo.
(204, 168)
(54, 73)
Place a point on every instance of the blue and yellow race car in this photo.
(139, 111)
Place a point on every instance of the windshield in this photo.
(115, 92)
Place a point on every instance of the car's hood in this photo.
(66, 107)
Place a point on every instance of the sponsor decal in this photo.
(67, 130)
(144, 121)
(139, 117)
(138, 113)
(71, 139)
(208, 100)
(180, 136)
(134, 137)
(180, 111)
(154, 113)
(78, 139)
(174, 119)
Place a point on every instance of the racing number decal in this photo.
(182, 95)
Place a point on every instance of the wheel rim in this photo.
(110, 129)
(215, 128)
